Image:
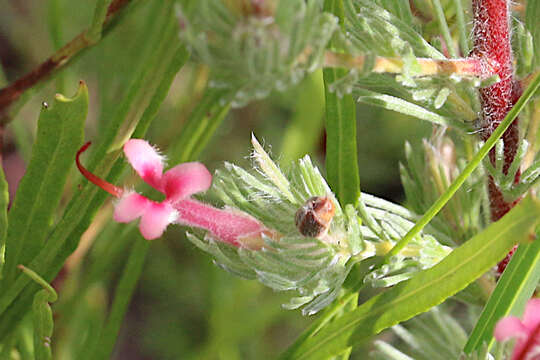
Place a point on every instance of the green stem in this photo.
(443, 27)
(473, 164)
(462, 28)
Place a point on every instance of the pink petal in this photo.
(130, 206)
(156, 218)
(509, 327)
(531, 316)
(186, 179)
(146, 161)
(228, 226)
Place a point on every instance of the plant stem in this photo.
(492, 42)
(58, 60)
(472, 67)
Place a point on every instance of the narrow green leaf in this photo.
(59, 136)
(100, 13)
(516, 285)
(202, 123)
(55, 17)
(308, 115)
(4, 201)
(462, 28)
(532, 14)
(393, 103)
(426, 289)
(400, 8)
(443, 27)
(123, 293)
(341, 151)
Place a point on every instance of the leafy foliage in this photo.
(314, 267)
(396, 55)
(272, 47)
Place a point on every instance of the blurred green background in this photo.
(185, 307)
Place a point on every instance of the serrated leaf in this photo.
(59, 136)
(425, 290)
(514, 288)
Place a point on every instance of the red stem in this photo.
(492, 42)
(105, 185)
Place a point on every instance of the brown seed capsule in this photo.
(314, 217)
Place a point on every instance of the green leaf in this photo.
(516, 285)
(341, 151)
(4, 202)
(201, 125)
(532, 14)
(375, 30)
(428, 288)
(59, 136)
(122, 297)
(397, 104)
(462, 28)
(400, 8)
(443, 27)
(100, 13)
(308, 114)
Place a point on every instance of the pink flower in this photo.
(526, 332)
(177, 184)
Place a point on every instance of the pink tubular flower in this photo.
(177, 184)
(526, 332)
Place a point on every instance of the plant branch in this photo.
(472, 67)
(58, 60)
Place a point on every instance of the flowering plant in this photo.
(334, 86)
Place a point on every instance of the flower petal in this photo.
(531, 316)
(225, 224)
(509, 327)
(156, 218)
(130, 206)
(146, 161)
(186, 179)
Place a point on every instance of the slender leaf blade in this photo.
(428, 288)
(532, 14)
(122, 297)
(514, 288)
(340, 124)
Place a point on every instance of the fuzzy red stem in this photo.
(107, 186)
(492, 37)
(492, 43)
